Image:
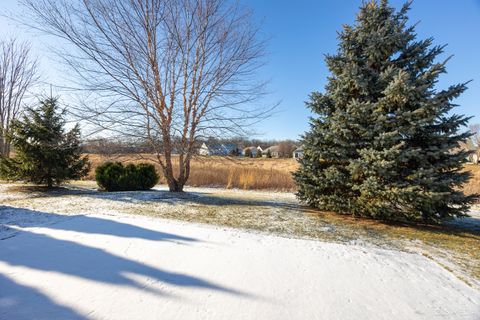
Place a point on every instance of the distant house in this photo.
(274, 151)
(224, 149)
(473, 151)
(474, 158)
(253, 151)
(298, 153)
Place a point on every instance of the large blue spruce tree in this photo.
(381, 145)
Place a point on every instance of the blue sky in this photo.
(301, 32)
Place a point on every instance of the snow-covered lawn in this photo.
(83, 256)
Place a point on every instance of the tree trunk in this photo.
(4, 147)
(49, 179)
(2, 153)
(8, 148)
(175, 186)
(49, 183)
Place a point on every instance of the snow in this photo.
(109, 265)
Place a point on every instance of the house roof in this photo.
(224, 147)
(272, 149)
(466, 146)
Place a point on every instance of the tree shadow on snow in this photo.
(153, 196)
(166, 197)
(461, 227)
(42, 252)
(22, 218)
(20, 302)
(45, 253)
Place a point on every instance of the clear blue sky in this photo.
(302, 31)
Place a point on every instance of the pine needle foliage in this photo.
(45, 153)
(384, 141)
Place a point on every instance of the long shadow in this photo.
(23, 303)
(166, 197)
(462, 227)
(42, 252)
(159, 196)
(81, 223)
(202, 198)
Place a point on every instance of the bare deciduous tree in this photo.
(285, 149)
(18, 72)
(170, 71)
(475, 130)
(475, 143)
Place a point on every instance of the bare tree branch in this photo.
(18, 72)
(168, 71)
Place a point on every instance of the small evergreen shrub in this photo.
(114, 176)
(147, 176)
(45, 152)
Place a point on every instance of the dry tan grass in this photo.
(226, 172)
(473, 186)
(246, 173)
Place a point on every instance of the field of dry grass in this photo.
(473, 186)
(225, 172)
(245, 173)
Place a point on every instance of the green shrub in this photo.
(113, 176)
(147, 176)
(45, 153)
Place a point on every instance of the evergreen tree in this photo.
(381, 145)
(44, 152)
(259, 154)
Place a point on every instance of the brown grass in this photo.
(245, 173)
(473, 186)
(226, 172)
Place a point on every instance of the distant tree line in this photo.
(114, 146)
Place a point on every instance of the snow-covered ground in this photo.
(118, 266)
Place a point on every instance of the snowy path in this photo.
(134, 267)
